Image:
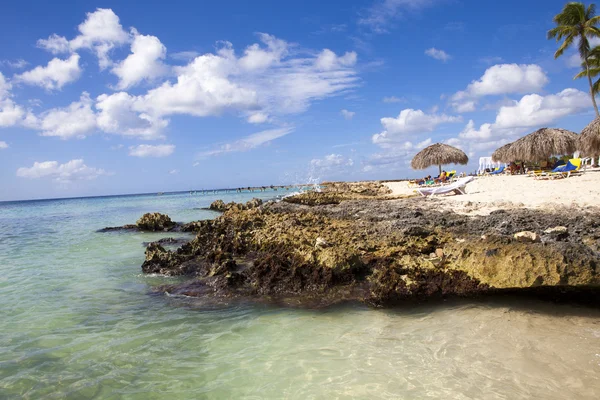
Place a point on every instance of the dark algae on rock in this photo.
(381, 252)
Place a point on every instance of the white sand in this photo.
(489, 193)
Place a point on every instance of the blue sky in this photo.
(126, 97)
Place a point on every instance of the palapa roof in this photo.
(537, 146)
(438, 154)
(589, 140)
(500, 154)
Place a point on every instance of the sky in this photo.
(112, 97)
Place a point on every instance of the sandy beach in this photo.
(489, 193)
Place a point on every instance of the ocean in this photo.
(78, 320)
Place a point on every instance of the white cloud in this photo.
(536, 110)
(147, 150)
(497, 80)
(506, 78)
(438, 54)
(75, 121)
(327, 60)
(263, 83)
(144, 63)
(331, 161)
(347, 114)
(464, 107)
(3, 145)
(383, 12)
(174, 171)
(258, 118)
(394, 99)
(213, 84)
(257, 58)
(484, 132)
(100, 32)
(410, 122)
(74, 170)
(12, 114)
(53, 76)
(55, 44)
(123, 114)
(249, 142)
(17, 64)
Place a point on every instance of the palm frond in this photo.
(564, 46)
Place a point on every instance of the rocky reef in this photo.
(380, 251)
(154, 222)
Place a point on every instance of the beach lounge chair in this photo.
(457, 187)
(498, 171)
(573, 166)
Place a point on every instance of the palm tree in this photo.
(576, 23)
(592, 69)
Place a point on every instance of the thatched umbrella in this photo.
(589, 140)
(539, 145)
(500, 154)
(438, 154)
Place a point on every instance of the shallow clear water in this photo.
(77, 322)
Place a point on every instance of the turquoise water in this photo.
(78, 322)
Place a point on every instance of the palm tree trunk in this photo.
(587, 68)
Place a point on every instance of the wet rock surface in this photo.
(221, 206)
(381, 252)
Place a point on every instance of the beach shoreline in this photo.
(486, 194)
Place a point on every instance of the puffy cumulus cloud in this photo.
(327, 60)
(505, 79)
(410, 122)
(147, 150)
(100, 32)
(484, 132)
(123, 114)
(249, 142)
(12, 114)
(331, 161)
(55, 44)
(262, 83)
(438, 54)
(144, 63)
(257, 58)
(75, 121)
(536, 110)
(347, 114)
(500, 79)
(74, 170)
(203, 88)
(215, 83)
(3, 145)
(53, 76)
